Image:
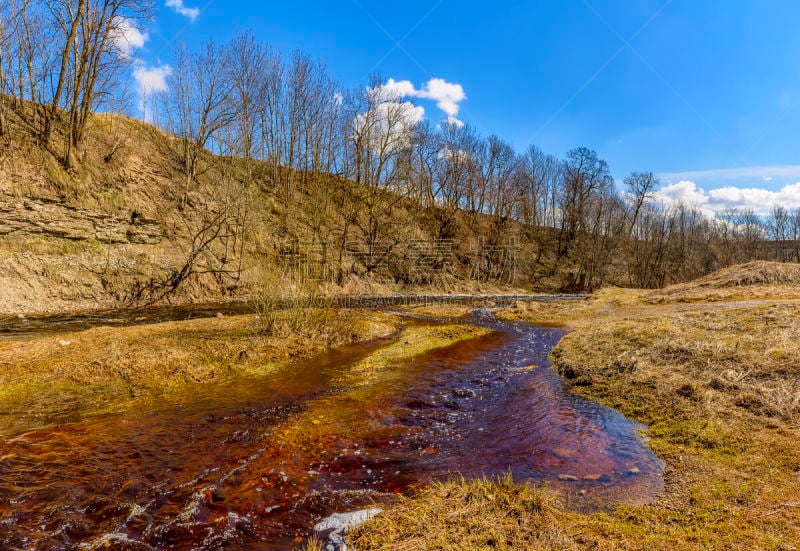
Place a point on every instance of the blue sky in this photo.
(706, 94)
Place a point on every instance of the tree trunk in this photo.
(62, 74)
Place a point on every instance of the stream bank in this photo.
(256, 461)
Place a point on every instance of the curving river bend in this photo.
(254, 463)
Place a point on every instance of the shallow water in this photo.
(254, 463)
(18, 327)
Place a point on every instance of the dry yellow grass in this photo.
(744, 356)
(719, 389)
(563, 312)
(415, 341)
(120, 364)
(439, 310)
(718, 386)
(458, 515)
(754, 280)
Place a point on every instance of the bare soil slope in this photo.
(120, 227)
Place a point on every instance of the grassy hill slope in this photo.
(121, 226)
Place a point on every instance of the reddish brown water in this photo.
(253, 463)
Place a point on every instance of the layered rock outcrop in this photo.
(35, 216)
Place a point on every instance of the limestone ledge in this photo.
(52, 219)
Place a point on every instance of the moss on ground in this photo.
(414, 342)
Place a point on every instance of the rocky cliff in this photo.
(28, 217)
(56, 257)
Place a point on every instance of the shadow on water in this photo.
(254, 463)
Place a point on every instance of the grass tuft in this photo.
(466, 514)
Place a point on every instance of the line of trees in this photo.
(363, 166)
(246, 100)
(64, 57)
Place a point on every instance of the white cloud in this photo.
(454, 155)
(388, 125)
(394, 90)
(687, 193)
(150, 80)
(454, 121)
(447, 95)
(791, 172)
(403, 113)
(759, 200)
(177, 5)
(126, 36)
(767, 178)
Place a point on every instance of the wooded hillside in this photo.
(253, 163)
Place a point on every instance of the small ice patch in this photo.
(333, 528)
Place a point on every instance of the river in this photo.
(253, 463)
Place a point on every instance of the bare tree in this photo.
(585, 177)
(198, 107)
(648, 246)
(641, 187)
(779, 228)
(540, 183)
(68, 15)
(313, 135)
(794, 232)
(29, 57)
(691, 252)
(91, 54)
(379, 129)
(751, 234)
(214, 248)
(498, 175)
(5, 23)
(300, 124)
(246, 64)
(455, 166)
(271, 112)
